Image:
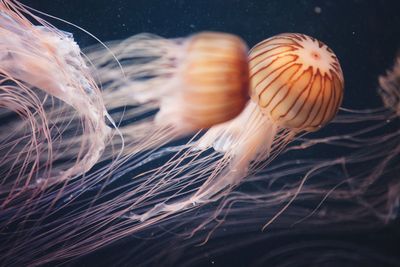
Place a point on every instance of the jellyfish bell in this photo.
(210, 85)
(389, 88)
(296, 81)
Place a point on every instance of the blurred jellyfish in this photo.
(170, 88)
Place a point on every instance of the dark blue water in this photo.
(365, 35)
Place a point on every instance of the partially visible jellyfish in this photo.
(45, 85)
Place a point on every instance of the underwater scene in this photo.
(200, 133)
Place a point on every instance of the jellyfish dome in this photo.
(296, 80)
(214, 77)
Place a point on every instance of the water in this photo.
(365, 35)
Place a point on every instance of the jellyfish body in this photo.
(211, 84)
(172, 87)
(297, 81)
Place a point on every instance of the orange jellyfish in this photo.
(171, 87)
(355, 187)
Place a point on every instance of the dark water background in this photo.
(365, 35)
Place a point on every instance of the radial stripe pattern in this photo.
(296, 80)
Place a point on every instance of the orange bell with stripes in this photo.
(296, 80)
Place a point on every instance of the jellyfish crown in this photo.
(210, 85)
(216, 78)
(296, 80)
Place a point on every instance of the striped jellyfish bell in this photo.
(296, 80)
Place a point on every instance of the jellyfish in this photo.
(171, 88)
(43, 72)
(296, 86)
